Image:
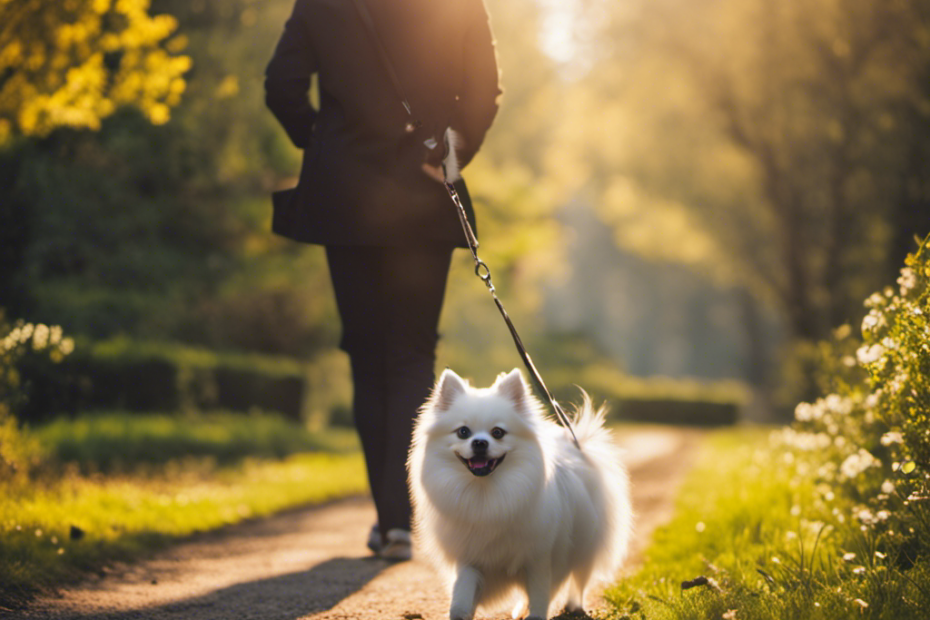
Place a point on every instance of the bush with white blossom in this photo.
(23, 343)
(870, 441)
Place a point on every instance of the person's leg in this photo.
(414, 286)
(356, 276)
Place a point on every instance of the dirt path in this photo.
(312, 564)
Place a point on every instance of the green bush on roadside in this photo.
(662, 400)
(831, 517)
(127, 441)
(25, 349)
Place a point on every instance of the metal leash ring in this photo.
(486, 276)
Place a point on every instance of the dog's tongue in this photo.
(478, 463)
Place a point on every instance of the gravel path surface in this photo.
(312, 564)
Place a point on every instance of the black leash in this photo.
(484, 273)
(481, 269)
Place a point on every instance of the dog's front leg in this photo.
(465, 593)
(538, 586)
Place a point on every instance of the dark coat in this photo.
(362, 181)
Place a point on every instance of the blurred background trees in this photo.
(776, 148)
(701, 188)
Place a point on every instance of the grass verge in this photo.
(117, 441)
(70, 518)
(755, 538)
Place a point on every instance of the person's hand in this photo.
(434, 172)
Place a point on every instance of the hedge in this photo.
(146, 376)
(139, 376)
(660, 400)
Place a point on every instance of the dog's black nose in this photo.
(479, 445)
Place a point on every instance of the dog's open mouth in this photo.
(481, 466)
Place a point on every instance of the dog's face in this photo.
(479, 428)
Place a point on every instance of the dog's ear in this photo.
(449, 387)
(512, 386)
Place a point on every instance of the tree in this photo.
(775, 146)
(70, 63)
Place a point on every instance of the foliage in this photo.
(122, 518)
(836, 508)
(776, 147)
(874, 434)
(124, 441)
(72, 63)
(23, 347)
(163, 232)
(756, 533)
(27, 344)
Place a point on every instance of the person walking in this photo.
(394, 76)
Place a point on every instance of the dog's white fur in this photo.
(546, 521)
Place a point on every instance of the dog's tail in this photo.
(588, 422)
(610, 486)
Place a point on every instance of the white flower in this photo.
(802, 413)
(67, 346)
(908, 280)
(857, 463)
(849, 557)
(892, 437)
(838, 404)
(870, 354)
(40, 337)
(865, 515)
(870, 320)
(887, 487)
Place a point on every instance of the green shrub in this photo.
(119, 441)
(832, 519)
(27, 351)
(661, 400)
(146, 376)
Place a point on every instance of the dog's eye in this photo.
(498, 433)
(463, 432)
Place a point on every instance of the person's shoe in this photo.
(374, 539)
(397, 548)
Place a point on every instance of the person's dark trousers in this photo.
(389, 300)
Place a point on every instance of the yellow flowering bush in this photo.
(70, 63)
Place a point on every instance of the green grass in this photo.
(132, 484)
(116, 441)
(770, 543)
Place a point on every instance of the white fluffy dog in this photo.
(505, 503)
